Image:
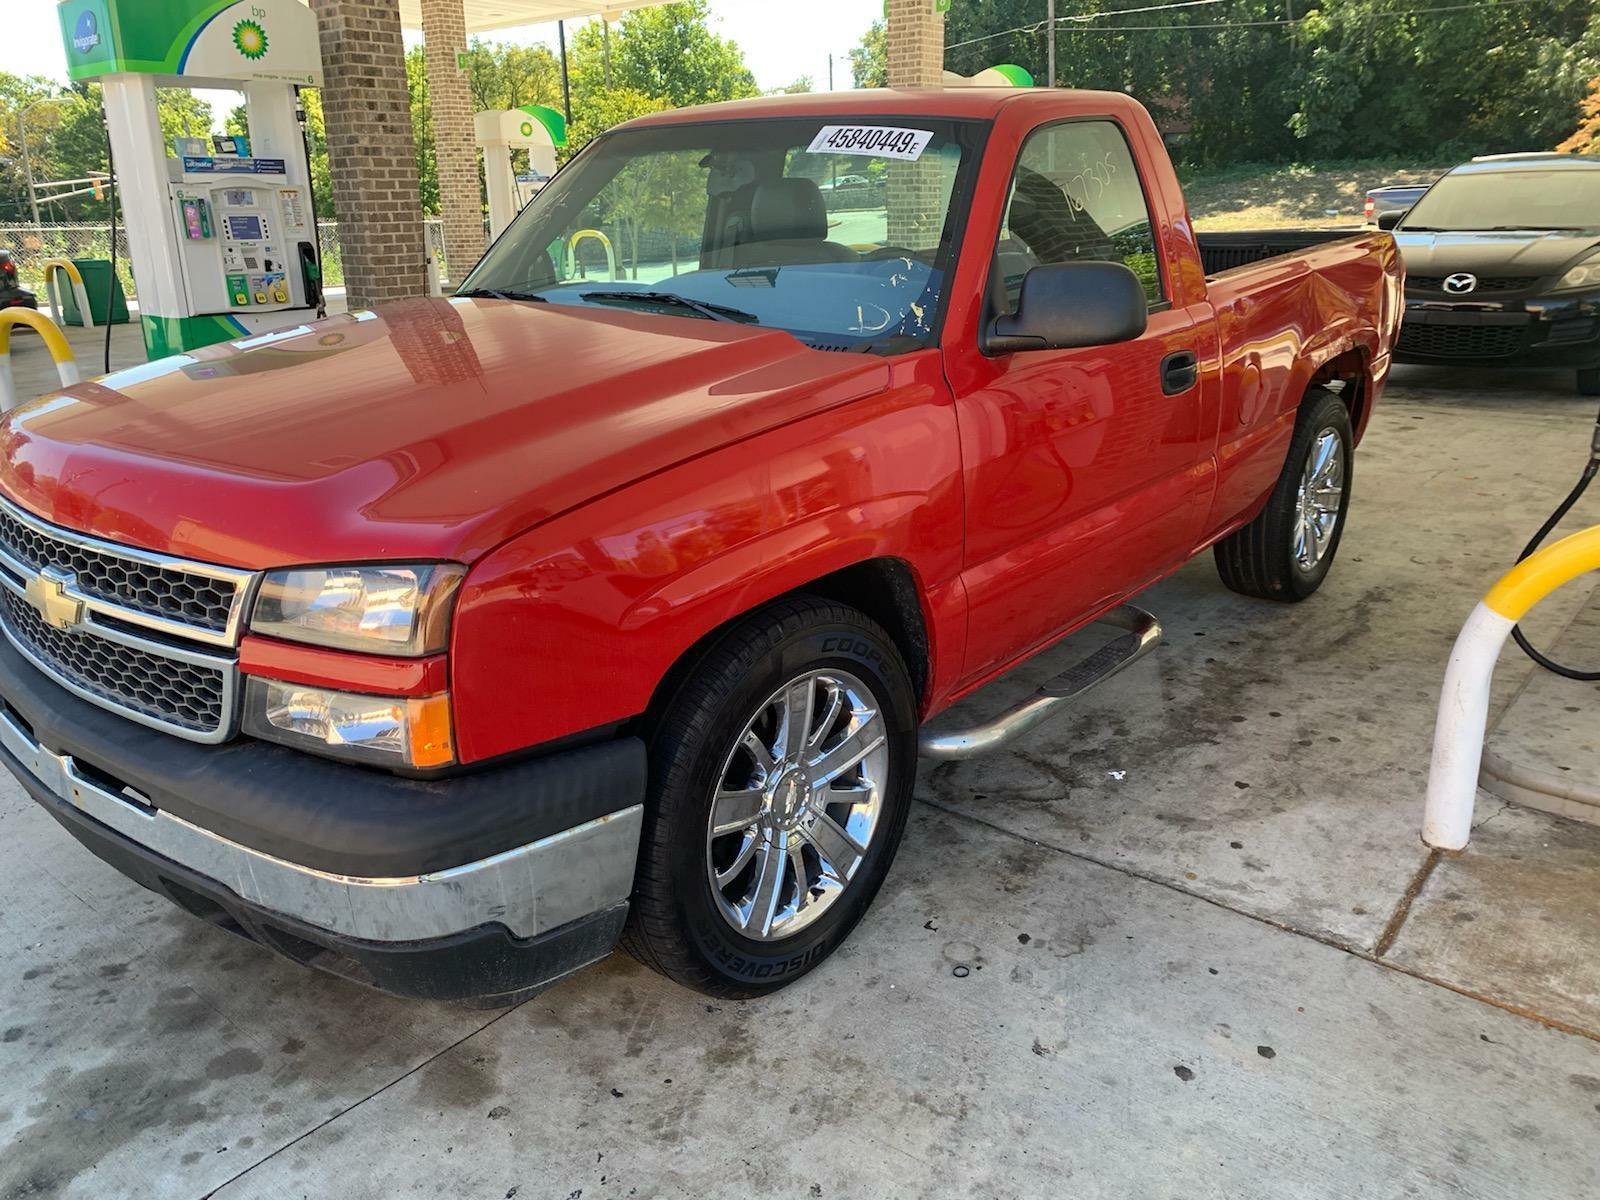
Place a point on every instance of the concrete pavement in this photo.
(1204, 951)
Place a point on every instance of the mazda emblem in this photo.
(1460, 283)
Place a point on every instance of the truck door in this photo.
(1088, 472)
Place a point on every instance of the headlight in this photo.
(1585, 274)
(390, 731)
(403, 610)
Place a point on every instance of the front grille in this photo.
(186, 695)
(1462, 341)
(1506, 283)
(199, 601)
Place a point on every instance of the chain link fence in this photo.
(32, 245)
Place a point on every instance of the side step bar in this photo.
(1143, 631)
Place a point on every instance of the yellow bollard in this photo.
(74, 280)
(55, 341)
(605, 244)
(1464, 703)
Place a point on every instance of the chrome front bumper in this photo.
(530, 889)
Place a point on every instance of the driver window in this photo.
(1076, 197)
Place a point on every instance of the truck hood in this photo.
(1492, 254)
(428, 429)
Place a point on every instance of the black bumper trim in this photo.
(481, 963)
(324, 815)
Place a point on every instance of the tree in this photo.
(1586, 139)
(67, 140)
(668, 53)
(1257, 80)
(800, 87)
(869, 62)
(502, 76)
(422, 129)
(601, 110)
(21, 112)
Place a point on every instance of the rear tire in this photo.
(781, 774)
(1287, 551)
(1589, 381)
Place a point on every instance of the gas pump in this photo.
(534, 128)
(223, 234)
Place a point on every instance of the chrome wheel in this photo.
(798, 802)
(1319, 500)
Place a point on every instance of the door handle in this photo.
(1179, 372)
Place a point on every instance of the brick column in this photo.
(455, 150)
(916, 60)
(371, 154)
(915, 44)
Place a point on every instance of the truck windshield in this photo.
(838, 231)
(1568, 198)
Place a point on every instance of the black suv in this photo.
(1502, 262)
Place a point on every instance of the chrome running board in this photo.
(1143, 631)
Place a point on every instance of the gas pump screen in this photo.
(244, 229)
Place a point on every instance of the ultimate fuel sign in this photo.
(194, 39)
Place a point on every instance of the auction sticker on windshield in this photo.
(873, 141)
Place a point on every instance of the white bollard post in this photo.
(1459, 729)
(56, 342)
(1464, 703)
(81, 294)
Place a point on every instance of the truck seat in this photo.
(789, 225)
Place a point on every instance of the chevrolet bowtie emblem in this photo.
(47, 592)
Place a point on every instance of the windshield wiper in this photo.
(500, 294)
(711, 312)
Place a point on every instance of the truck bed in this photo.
(1221, 252)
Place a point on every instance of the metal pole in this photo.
(830, 72)
(27, 167)
(1050, 44)
(605, 42)
(566, 83)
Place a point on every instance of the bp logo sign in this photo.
(86, 32)
(250, 39)
(527, 129)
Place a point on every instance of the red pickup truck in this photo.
(443, 646)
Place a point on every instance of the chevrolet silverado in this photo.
(445, 646)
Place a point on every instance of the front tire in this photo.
(1287, 551)
(780, 780)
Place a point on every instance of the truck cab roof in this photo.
(977, 103)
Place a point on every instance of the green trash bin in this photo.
(103, 300)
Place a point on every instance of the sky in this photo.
(778, 50)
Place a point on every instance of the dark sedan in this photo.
(1503, 267)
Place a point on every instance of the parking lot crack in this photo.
(1402, 908)
(401, 1078)
(1391, 931)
